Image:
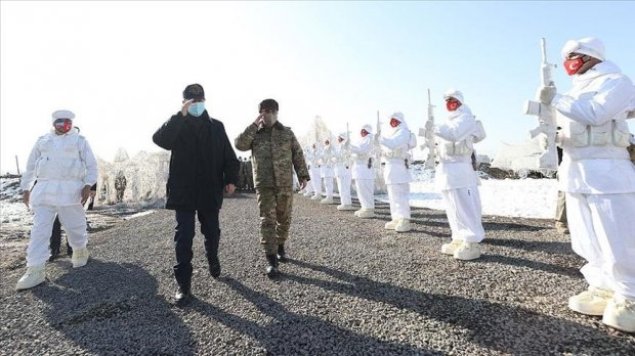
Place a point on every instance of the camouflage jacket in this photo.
(275, 152)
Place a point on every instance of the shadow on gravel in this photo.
(110, 308)
(494, 326)
(290, 333)
(553, 247)
(535, 265)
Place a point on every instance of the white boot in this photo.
(468, 251)
(403, 225)
(391, 225)
(620, 314)
(343, 207)
(591, 302)
(34, 275)
(80, 257)
(327, 200)
(366, 213)
(316, 197)
(449, 248)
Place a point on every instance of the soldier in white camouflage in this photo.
(276, 153)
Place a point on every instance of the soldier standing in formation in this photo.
(327, 157)
(313, 157)
(396, 146)
(343, 172)
(276, 152)
(364, 171)
(598, 179)
(456, 179)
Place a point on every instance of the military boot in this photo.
(282, 256)
(214, 266)
(272, 269)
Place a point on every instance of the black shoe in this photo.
(182, 298)
(272, 269)
(282, 256)
(214, 266)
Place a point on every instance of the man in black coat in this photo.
(202, 165)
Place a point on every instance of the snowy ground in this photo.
(527, 198)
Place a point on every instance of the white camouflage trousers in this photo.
(602, 230)
(344, 187)
(73, 219)
(463, 208)
(366, 193)
(399, 198)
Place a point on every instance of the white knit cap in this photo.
(63, 114)
(590, 46)
(453, 93)
(368, 128)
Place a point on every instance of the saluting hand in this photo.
(260, 121)
(186, 106)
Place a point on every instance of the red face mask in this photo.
(573, 65)
(364, 133)
(394, 122)
(452, 105)
(63, 125)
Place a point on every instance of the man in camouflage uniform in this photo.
(276, 152)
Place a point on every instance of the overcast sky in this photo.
(121, 66)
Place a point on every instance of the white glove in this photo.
(547, 94)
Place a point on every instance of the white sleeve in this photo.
(91, 164)
(402, 138)
(28, 177)
(457, 129)
(614, 97)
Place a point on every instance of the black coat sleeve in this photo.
(231, 165)
(166, 135)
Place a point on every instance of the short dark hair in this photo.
(268, 104)
(194, 91)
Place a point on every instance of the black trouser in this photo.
(56, 239)
(183, 241)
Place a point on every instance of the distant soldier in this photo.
(343, 172)
(65, 168)
(456, 179)
(364, 171)
(313, 156)
(120, 185)
(396, 144)
(276, 152)
(327, 157)
(308, 189)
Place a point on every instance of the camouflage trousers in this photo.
(275, 207)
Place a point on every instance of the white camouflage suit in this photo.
(363, 171)
(455, 177)
(59, 166)
(343, 171)
(312, 158)
(396, 144)
(327, 155)
(597, 175)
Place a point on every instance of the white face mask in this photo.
(196, 109)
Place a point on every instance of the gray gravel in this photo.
(352, 288)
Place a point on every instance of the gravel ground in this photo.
(351, 288)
